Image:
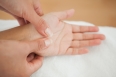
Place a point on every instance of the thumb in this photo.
(40, 44)
(37, 7)
(39, 23)
(33, 58)
(64, 14)
(35, 64)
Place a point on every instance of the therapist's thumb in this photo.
(35, 64)
(39, 23)
(34, 60)
(38, 45)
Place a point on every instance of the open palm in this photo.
(68, 39)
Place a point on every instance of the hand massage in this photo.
(45, 45)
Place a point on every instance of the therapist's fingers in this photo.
(35, 64)
(37, 7)
(39, 23)
(64, 14)
(30, 57)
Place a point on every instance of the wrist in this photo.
(33, 33)
(17, 33)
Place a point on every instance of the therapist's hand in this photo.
(26, 11)
(17, 58)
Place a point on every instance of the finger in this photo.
(20, 20)
(36, 63)
(82, 36)
(3, 9)
(30, 57)
(76, 28)
(39, 23)
(77, 44)
(37, 45)
(37, 7)
(64, 14)
(76, 51)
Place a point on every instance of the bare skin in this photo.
(26, 11)
(68, 39)
(24, 48)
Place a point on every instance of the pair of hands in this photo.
(22, 58)
(25, 57)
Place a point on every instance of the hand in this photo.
(67, 39)
(17, 58)
(26, 11)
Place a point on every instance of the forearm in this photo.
(18, 33)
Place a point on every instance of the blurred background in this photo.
(98, 12)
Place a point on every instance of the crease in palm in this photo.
(69, 39)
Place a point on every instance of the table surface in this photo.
(98, 12)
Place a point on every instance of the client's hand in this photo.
(67, 39)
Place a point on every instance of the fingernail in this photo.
(48, 42)
(49, 32)
(39, 11)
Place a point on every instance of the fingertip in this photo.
(48, 42)
(41, 44)
(96, 28)
(44, 29)
(30, 57)
(36, 63)
(39, 12)
(93, 28)
(70, 12)
(98, 41)
(38, 60)
(103, 37)
(48, 32)
(84, 51)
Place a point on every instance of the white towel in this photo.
(99, 62)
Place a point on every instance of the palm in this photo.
(65, 39)
(62, 37)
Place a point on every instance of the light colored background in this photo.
(99, 12)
